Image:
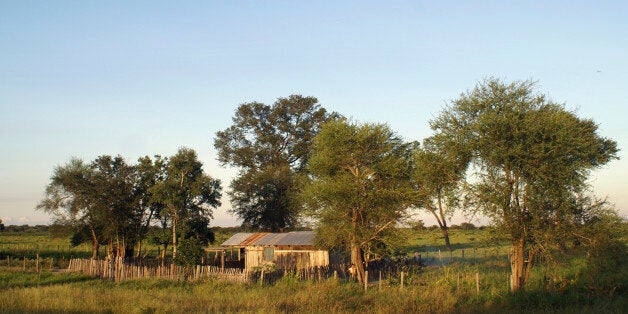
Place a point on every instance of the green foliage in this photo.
(189, 252)
(532, 158)
(360, 188)
(603, 236)
(187, 195)
(271, 146)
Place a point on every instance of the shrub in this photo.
(189, 252)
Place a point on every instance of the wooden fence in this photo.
(121, 271)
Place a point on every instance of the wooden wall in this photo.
(286, 259)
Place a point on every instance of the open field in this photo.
(447, 285)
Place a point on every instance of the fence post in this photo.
(366, 280)
(458, 282)
(37, 263)
(335, 275)
(222, 260)
(477, 283)
(380, 280)
(261, 278)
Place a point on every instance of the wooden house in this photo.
(291, 250)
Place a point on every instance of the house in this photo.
(291, 250)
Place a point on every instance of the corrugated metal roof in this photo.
(270, 239)
(297, 238)
(253, 239)
(236, 239)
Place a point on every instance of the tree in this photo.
(532, 158)
(149, 173)
(436, 176)
(114, 203)
(270, 145)
(360, 186)
(70, 199)
(186, 192)
(98, 201)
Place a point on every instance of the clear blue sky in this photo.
(85, 78)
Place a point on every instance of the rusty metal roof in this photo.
(271, 239)
(236, 239)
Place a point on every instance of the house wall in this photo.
(286, 259)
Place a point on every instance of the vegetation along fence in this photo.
(121, 271)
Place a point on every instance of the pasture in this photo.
(449, 283)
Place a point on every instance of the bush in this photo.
(467, 226)
(189, 252)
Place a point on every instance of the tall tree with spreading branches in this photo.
(437, 175)
(360, 186)
(270, 144)
(187, 193)
(532, 158)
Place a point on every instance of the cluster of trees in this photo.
(501, 149)
(109, 201)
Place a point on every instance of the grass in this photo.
(432, 289)
(69, 293)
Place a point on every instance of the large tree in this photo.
(115, 203)
(437, 175)
(270, 144)
(69, 198)
(532, 158)
(187, 194)
(98, 201)
(360, 186)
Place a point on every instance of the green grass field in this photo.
(448, 286)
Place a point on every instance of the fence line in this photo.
(118, 270)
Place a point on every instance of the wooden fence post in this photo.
(222, 260)
(37, 263)
(335, 275)
(380, 280)
(261, 278)
(366, 280)
(477, 283)
(458, 282)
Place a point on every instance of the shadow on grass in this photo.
(9, 280)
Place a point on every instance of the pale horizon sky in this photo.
(90, 78)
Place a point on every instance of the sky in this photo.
(136, 78)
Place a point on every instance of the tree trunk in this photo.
(95, 247)
(445, 231)
(517, 264)
(95, 243)
(163, 255)
(357, 261)
(174, 238)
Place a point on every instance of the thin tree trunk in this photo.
(174, 238)
(445, 231)
(95, 243)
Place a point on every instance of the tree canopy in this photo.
(436, 176)
(360, 187)
(270, 144)
(111, 202)
(532, 158)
